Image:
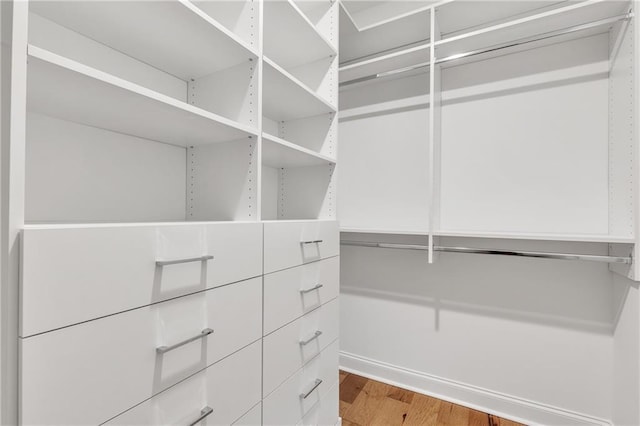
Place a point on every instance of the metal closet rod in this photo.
(545, 36)
(536, 254)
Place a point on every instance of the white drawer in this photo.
(288, 244)
(286, 405)
(111, 269)
(226, 390)
(252, 418)
(283, 352)
(326, 413)
(291, 293)
(90, 372)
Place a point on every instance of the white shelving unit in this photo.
(299, 109)
(178, 144)
(80, 67)
(312, 43)
(287, 98)
(488, 204)
(462, 68)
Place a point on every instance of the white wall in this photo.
(626, 353)
(501, 333)
(510, 127)
(384, 145)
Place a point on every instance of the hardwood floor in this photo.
(365, 402)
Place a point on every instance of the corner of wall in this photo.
(626, 354)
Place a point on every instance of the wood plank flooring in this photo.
(365, 402)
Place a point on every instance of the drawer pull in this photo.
(188, 260)
(203, 413)
(311, 242)
(317, 334)
(315, 386)
(309, 290)
(204, 333)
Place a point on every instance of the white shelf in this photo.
(366, 15)
(357, 44)
(388, 62)
(65, 89)
(290, 38)
(125, 224)
(173, 36)
(457, 17)
(529, 26)
(596, 238)
(279, 153)
(287, 98)
(384, 231)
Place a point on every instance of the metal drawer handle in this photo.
(311, 242)
(203, 413)
(317, 334)
(315, 386)
(309, 290)
(204, 333)
(188, 260)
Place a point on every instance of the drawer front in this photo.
(229, 388)
(283, 352)
(326, 413)
(288, 244)
(88, 373)
(252, 418)
(113, 269)
(291, 293)
(286, 405)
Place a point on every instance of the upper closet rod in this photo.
(536, 254)
(544, 36)
(534, 39)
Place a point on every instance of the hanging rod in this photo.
(544, 36)
(406, 46)
(385, 74)
(468, 250)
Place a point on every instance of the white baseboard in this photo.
(502, 405)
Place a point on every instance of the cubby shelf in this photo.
(175, 40)
(556, 19)
(282, 20)
(68, 90)
(279, 153)
(287, 98)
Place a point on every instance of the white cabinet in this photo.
(291, 293)
(296, 397)
(219, 393)
(158, 143)
(88, 373)
(326, 411)
(117, 268)
(296, 344)
(288, 244)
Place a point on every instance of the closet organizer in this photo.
(173, 217)
(488, 204)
